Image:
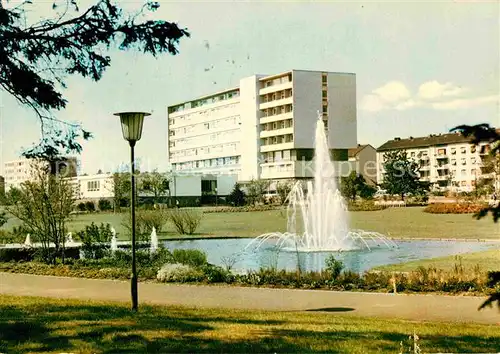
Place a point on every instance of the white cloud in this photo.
(465, 103)
(393, 91)
(394, 95)
(432, 90)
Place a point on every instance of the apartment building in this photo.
(364, 156)
(447, 161)
(265, 127)
(18, 171)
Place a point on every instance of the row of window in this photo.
(279, 95)
(274, 156)
(220, 148)
(205, 101)
(202, 140)
(203, 127)
(277, 168)
(219, 162)
(202, 116)
(281, 124)
(280, 139)
(93, 186)
(277, 81)
(274, 111)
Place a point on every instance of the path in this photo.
(411, 307)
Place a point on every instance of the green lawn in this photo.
(394, 222)
(29, 324)
(486, 260)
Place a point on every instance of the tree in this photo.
(400, 174)
(104, 204)
(3, 218)
(237, 196)
(354, 185)
(256, 190)
(283, 189)
(44, 206)
(481, 133)
(121, 190)
(36, 58)
(155, 183)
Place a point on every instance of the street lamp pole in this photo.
(134, 293)
(132, 130)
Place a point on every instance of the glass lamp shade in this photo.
(132, 124)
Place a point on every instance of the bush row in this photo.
(241, 209)
(365, 206)
(454, 208)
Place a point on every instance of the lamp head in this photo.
(132, 124)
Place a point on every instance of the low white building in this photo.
(93, 187)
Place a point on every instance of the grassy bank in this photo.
(486, 260)
(29, 324)
(394, 222)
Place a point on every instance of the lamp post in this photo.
(132, 131)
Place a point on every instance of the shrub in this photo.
(95, 240)
(81, 206)
(177, 272)
(185, 221)
(3, 218)
(365, 206)
(333, 266)
(33, 254)
(248, 208)
(89, 206)
(454, 208)
(152, 218)
(195, 258)
(237, 196)
(104, 205)
(216, 274)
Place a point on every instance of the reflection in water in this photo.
(361, 260)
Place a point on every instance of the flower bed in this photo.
(454, 208)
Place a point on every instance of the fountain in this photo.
(317, 220)
(27, 241)
(154, 241)
(114, 243)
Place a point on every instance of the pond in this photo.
(224, 251)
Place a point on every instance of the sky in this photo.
(421, 68)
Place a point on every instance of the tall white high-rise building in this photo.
(264, 129)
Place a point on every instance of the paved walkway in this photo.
(411, 307)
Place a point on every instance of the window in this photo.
(441, 152)
(93, 186)
(325, 109)
(324, 79)
(463, 172)
(464, 162)
(453, 151)
(463, 150)
(324, 94)
(412, 154)
(472, 149)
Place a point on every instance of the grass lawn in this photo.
(486, 260)
(394, 222)
(29, 324)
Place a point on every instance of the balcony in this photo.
(424, 158)
(275, 147)
(277, 102)
(442, 157)
(276, 132)
(276, 117)
(443, 167)
(301, 169)
(425, 168)
(274, 88)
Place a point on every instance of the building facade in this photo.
(365, 159)
(447, 161)
(18, 171)
(93, 187)
(265, 127)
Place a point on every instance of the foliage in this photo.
(401, 174)
(154, 183)
(178, 272)
(95, 240)
(283, 189)
(256, 190)
(454, 208)
(81, 206)
(145, 220)
(366, 205)
(192, 257)
(185, 221)
(89, 206)
(35, 58)
(121, 190)
(355, 185)
(104, 205)
(28, 254)
(3, 218)
(242, 209)
(44, 207)
(333, 266)
(237, 196)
